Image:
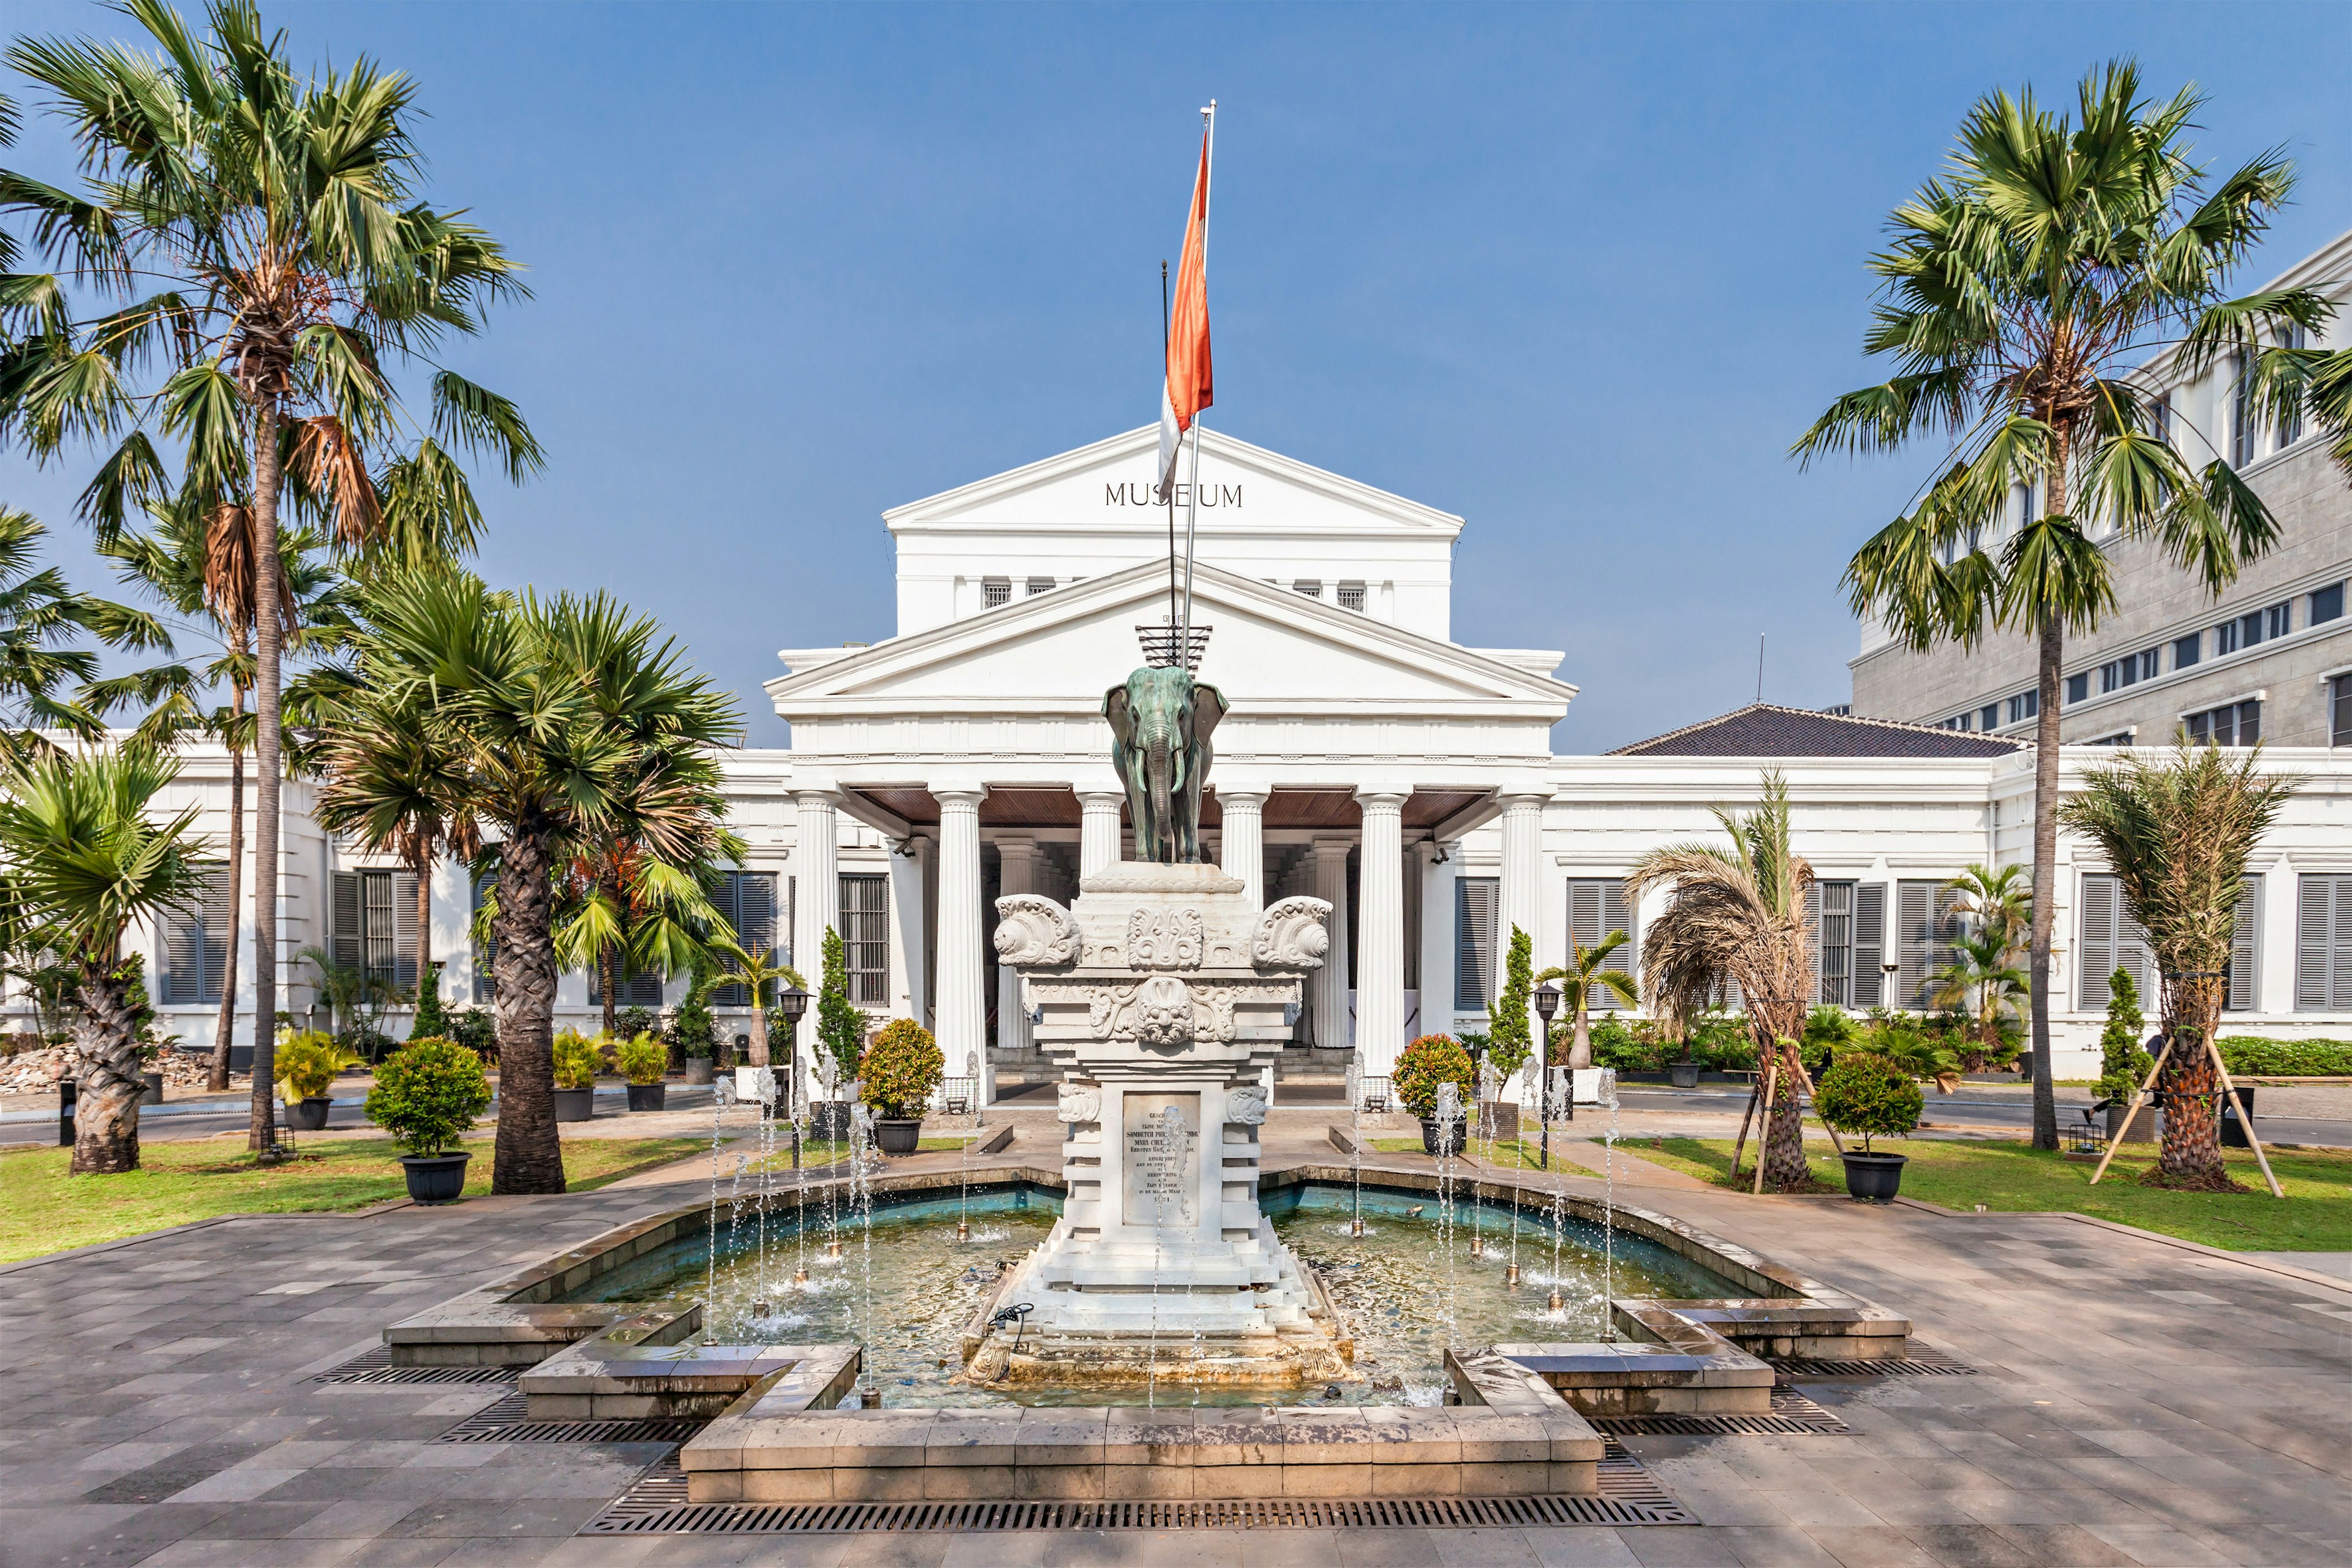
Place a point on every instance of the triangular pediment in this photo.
(1270, 650)
(1110, 485)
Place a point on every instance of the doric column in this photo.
(1380, 934)
(1522, 893)
(1331, 980)
(1019, 874)
(1243, 850)
(1099, 829)
(816, 908)
(963, 1013)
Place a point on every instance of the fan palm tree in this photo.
(1984, 983)
(2019, 290)
(1739, 914)
(40, 619)
(264, 238)
(1995, 902)
(1581, 983)
(2178, 834)
(756, 968)
(85, 862)
(620, 910)
(566, 714)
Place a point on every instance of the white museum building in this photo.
(1367, 759)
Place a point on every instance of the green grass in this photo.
(2011, 1177)
(44, 1210)
(1526, 1154)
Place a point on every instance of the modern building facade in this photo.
(2269, 659)
(1367, 759)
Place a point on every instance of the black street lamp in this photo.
(1547, 1003)
(792, 1003)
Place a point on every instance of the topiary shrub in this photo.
(2124, 1063)
(1429, 1061)
(900, 1071)
(578, 1059)
(1509, 1040)
(840, 1025)
(432, 1020)
(641, 1058)
(428, 1094)
(1869, 1096)
(306, 1063)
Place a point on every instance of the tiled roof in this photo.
(1763, 729)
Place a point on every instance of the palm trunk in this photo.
(2190, 1155)
(759, 1026)
(423, 872)
(530, 1157)
(1784, 1127)
(608, 981)
(2046, 879)
(225, 1030)
(106, 1114)
(1579, 1049)
(270, 770)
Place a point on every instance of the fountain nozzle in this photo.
(800, 1276)
(1356, 1226)
(1477, 1246)
(833, 1248)
(760, 1310)
(963, 1231)
(1554, 1304)
(1511, 1274)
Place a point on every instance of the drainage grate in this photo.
(1791, 1412)
(657, 1505)
(375, 1366)
(506, 1422)
(1923, 1362)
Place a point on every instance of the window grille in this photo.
(486, 949)
(374, 925)
(1310, 586)
(995, 592)
(1351, 597)
(865, 935)
(1040, 586)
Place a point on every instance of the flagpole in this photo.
(1192, 496)
(1168, 491)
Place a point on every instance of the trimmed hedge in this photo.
(2287, 1059)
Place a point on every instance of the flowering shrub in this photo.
(1429, 1061)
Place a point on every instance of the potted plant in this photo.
(694, 1032)
(1682, 1070)
(841, 1040)
(1869, 1096)
(1429, 1061)
(642, 1060)
(306, 1065)
(426, 1095)
(898, 1075)
(577, 1062)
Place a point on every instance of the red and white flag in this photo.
(1187, 386)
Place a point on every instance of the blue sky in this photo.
(1578, 273)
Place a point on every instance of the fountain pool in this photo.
(927, 1286)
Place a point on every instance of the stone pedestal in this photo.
(1163, 993)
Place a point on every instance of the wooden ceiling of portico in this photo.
(1057, 806)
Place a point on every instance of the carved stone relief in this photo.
(1163, 1012)
(1246, 1104)
(1164, 938)
(1290, 935)
(1078, 1102)
(1034, 929)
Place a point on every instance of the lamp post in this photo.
(792, 1003)
(1547, 1003)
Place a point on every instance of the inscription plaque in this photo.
(1162, 1173)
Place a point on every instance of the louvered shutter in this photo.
(1915, 912)
(792, 919)
(2243, 987)
(403, 932)
(486, 951)
(2097, 957)
(1869, 943)
(2339, 947)
(184, 947)
(220, 930)
(1596, 905)
(1477, 901)
(345, 943)
(1813, 924)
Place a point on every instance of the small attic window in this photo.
(995, 591)
(1351, 597)
(1040, 586)
(1310, 586)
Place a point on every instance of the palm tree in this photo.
(265, 233)
(1739, 914)
(755, 967)
(1995, 902)
(620, 908)
(39, 615)
(1581, 983)
(85, 862)
(567, 714)
(1985, 983)
(2178, 834)
(2019, 289)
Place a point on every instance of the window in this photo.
(2023, 706)
(2323, 944)
(2024, 505)
(995, 592)
(2078, 688)
(1596, 905)
(1310, 586)
(2187, 650)
(748, 900)
(2231, 725)
(2289, 425)
(1351, 597)
(636, 990)
(375, 925)
(2131, 670)
(1956, 721)
(1477, 902)
(2326, 604)
(2225, 638)
(2161, 418)
(2121, 738)
(1925, 928)
(486, 948)
(2278, 620)
(197, 939)
(865, 934)
(1988, 716)
(1040, 586)
(2112, 939)
(2242, 414)
(1848, 920)
(2340, 711)
(2240, 988)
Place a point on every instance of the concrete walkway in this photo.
(2136, 1404)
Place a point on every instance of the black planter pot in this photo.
(1684, 1075)
(894, 1135)
(2234, 1127)
(575, 1104)
(829, 1121)
(1875, 1178)
(698, 1070)
(434, 1178)
(152, 1094)
(1446, 1141)
(308, 1114)
(648, 1096)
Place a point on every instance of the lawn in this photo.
(2010, 1176)
(1526, 1154)
(44, 1210)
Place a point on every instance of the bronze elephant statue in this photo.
(1161, 721)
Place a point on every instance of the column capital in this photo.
(1240, 797)
(807, 798)
(1383, 797)
(1110, 795)
(1018, 846)
(960, 794)
(1523, 799)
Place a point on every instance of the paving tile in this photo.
(1969, 1546)
(1483, 1549)
(1580, 1548)
(1387, 1549)
(1871, 1546)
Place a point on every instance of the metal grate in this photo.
(375, 1366)
(507, 1422)
(1159, 645)
(657, 1505)
(1791, 1412)
(1923, 1362)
